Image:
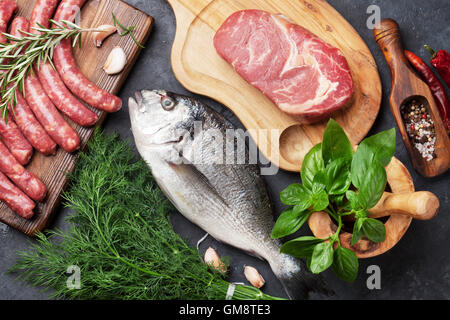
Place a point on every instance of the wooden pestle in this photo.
(422, 205)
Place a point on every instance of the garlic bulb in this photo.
(104, 32)
(116, 61)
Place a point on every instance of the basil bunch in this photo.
(329, 171)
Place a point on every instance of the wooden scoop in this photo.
(407, 86)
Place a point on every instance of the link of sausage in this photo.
(24, 117)
(51, 81)
(7, 9)
(49, 117)
(63, 98)
(13, 138)
(23, 179)
(14, 198)
(43, 11)
(67, 68)
(31, 128)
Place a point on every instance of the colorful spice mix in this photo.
(420, 128)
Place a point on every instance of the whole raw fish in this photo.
(227, 200)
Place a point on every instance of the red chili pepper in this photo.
(435, 85)
(441, 61)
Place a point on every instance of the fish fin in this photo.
(196, 176)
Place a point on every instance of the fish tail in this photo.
(298, 281)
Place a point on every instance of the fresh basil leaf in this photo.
(320, 182)
(338, 176)
(362, 214)
(302, 247)
(374, 230)
(335, 143)
(320, 200)
(312, 164)
(322, 257)
(357, 230)
(362, 161)
(338, 199)
(382, 145)
(308, 261)
(371, 190)
(345, 264)
(289, 222)
(295, 194)
(352, 197)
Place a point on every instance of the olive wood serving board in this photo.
(53, 170)
(201, 70)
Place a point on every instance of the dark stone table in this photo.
(417, 268)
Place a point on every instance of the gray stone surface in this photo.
(417, 268)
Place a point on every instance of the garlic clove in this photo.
(115, 62)
(104, 31)
(213, 259)
(254, 277)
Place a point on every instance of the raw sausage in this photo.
(49, 117)
(43, 11)
(7, 9)
(51, 81)
(13, 138)
(69, 72)
(31, 128)
(24, 180)
(63, 98)
(24, 117)
(15, 199)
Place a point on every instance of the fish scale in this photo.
(229, 201)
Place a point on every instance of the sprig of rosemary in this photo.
(16, 65)
(121, 238)
(126, 31)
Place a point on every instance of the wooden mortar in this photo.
(401, 206)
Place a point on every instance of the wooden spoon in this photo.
(407, 86)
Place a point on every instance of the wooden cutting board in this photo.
(53, 170)
(280, 137)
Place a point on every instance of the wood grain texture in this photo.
(406, 86)
(53, 170)
(200, 69)
(400, 182)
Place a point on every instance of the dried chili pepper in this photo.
(441, 61)
(435, 85)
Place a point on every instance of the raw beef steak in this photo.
(304, 76)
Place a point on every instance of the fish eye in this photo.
(167, 103)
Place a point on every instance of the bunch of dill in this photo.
(120, 237)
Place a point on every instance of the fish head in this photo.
(162, 121)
